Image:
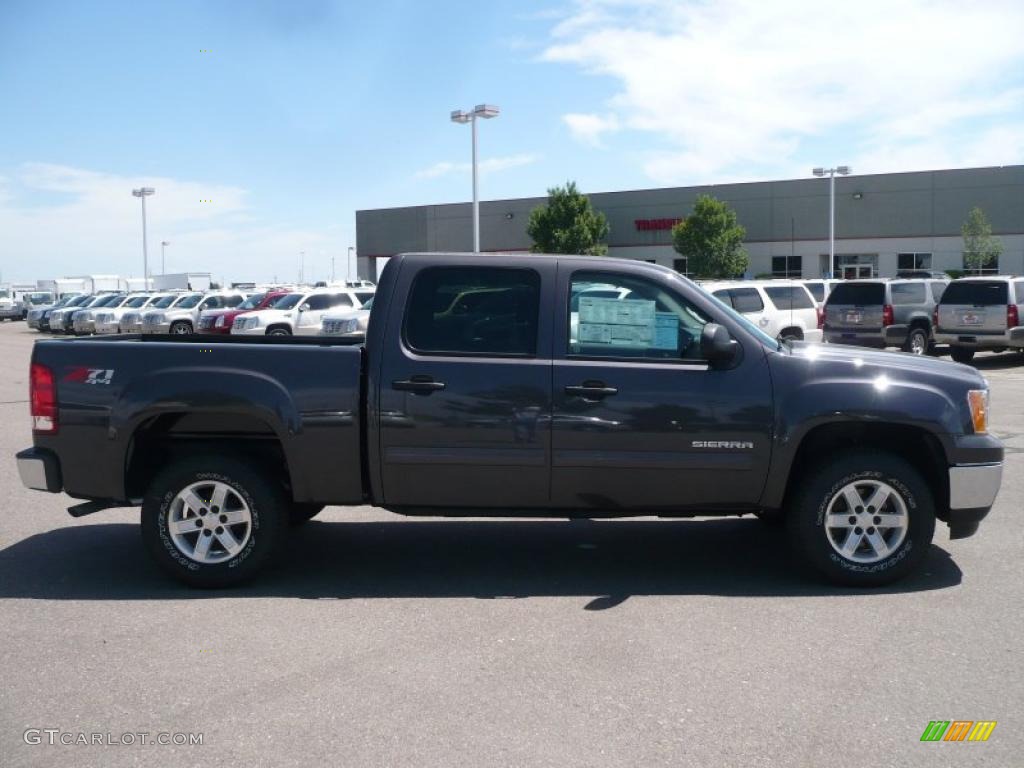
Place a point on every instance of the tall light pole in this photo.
(486, 111)
(842, 170)
(144, 192)
(163, 263)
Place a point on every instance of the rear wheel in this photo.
(863, 520)
(279, 330)
(961, 354)
(213, 521)
(917, 341)
(181, 328)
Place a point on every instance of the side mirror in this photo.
(716, 346)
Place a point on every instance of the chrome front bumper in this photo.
(974, 486)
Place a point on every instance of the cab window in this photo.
(631, 317)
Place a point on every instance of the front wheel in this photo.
(863, 521)
(181, 328)
(279, 330)
(961, 354)
(212, 521)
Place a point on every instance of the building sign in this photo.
(655, 225)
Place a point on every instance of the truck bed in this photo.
(129, 399)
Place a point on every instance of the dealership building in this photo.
(883, 223)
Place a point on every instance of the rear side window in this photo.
(857, 294)
(1019, 289)
(232, 301)
(340, 300)
(474, 311)
(982, 293)
(817, 291)
(937, 290)
(789, 297)
(907, 293)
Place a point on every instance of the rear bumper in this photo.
(39, 470)
(859, 339)
(1011, 338)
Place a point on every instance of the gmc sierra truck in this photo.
(516, 385)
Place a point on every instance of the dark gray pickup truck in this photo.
(511, 385)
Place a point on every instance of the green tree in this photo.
(711, 239)
(567, 224)
(980, 248)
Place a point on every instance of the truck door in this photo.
(640, 421)
(465, 384)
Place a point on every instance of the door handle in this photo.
(419, 385)
(590, 390)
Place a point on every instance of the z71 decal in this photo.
(84, 375)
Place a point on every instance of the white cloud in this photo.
(488, 165)
(58, 220)
(746, 88)
(589, 128)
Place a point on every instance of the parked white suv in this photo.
(784, 309)
(108, 319)
(182, 317)
(298, 313)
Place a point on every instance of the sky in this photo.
(263, 126)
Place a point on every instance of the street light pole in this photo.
(144, 192)
(163, 263)
(842, 170)
(485, 111)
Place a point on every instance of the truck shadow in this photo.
(608, 561)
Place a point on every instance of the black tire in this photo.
(299, 514)
(279, 330)
(961, 354)
(267, 504)
(917, 342)
(181, 328)
(810, 503)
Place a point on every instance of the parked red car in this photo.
(221, 320)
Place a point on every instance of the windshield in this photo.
(39, 298)
(364, 296)
(138, 301)
(252, 302)
(288, 301)
(368, 304)
(78, 301)
(164, 302)
(109, 301)
(187, 302)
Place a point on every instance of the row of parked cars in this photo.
(277, 311)
(915, 314)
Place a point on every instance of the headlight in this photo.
(350, 326)
(220, 321)
(977, 401)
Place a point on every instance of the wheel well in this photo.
(275, 326)
(920, 322)
(171, 436)
(913, 444)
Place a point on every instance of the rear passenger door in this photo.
(465, 385)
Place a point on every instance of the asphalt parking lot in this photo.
(386, 641)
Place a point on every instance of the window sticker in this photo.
(626, 323)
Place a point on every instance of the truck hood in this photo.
(860, 363)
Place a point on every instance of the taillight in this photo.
(887, 316)
(935, 318)
(43, 398)
(1012, 317)
(821, 318)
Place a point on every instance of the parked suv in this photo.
(83, 322)
(981, 313)
(222, 320)
(131, 320)
(784, 309)
(182, 317)
(298, 313)
(884, 313)
(108, 319)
